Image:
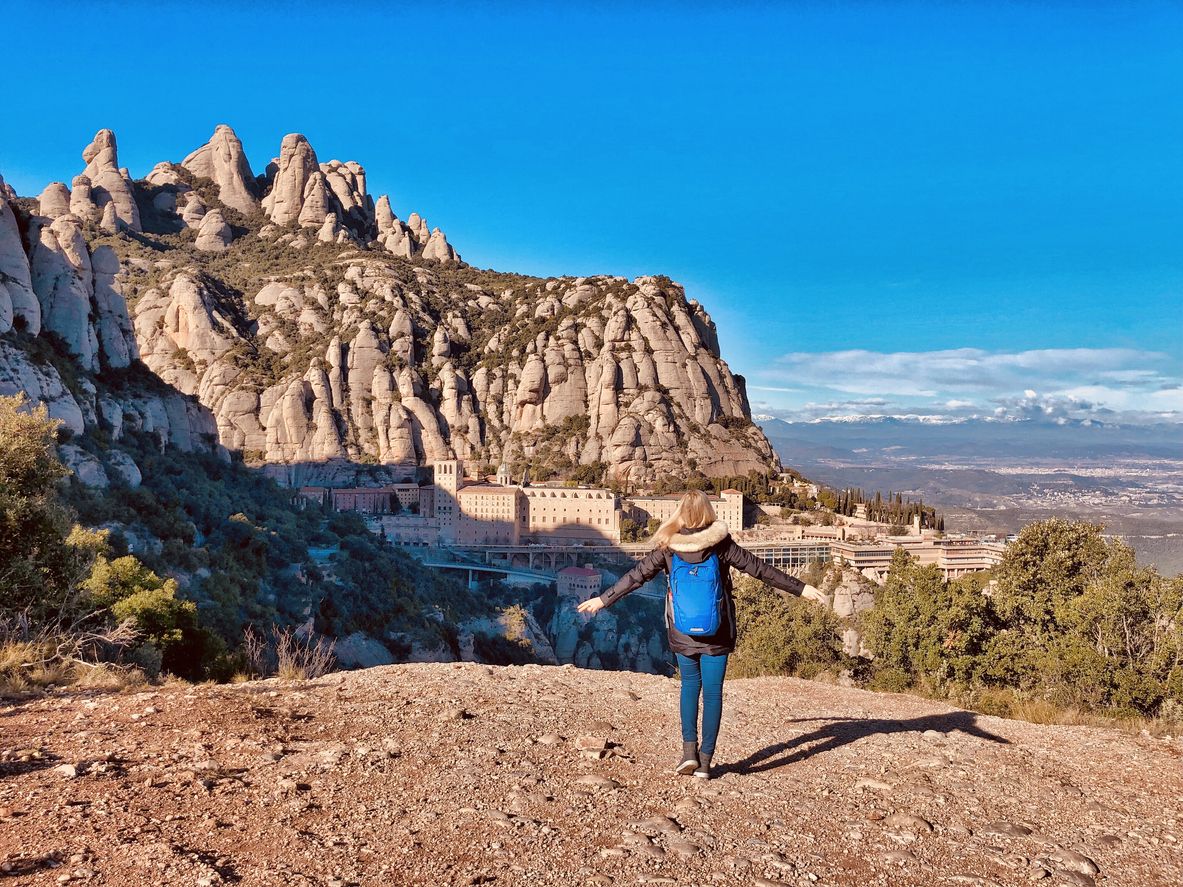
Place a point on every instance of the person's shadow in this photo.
(836, 732)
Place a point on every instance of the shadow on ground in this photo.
(836, 732)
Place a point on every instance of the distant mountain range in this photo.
(866, 438)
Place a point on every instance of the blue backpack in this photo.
(696, 591)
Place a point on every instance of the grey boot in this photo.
(689, 759)
(704, 766)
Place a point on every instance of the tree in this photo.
(167, 629)
(1045, 569)
(779, 635)
(38, 563)
(924, 628)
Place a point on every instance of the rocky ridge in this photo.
(469, 774)
(311, 324)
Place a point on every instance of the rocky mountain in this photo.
(469, 774)
(307, 323)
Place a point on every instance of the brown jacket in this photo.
(694, 546)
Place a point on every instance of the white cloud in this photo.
(1058, 384)
(963, 369)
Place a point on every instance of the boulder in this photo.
(110, 220)
(86, 467)
(222, 161)
(418, 228)
(81, 202)
(164, 173)
(214, 235)
(54, 200)
(194, 210)
(383, 216)
(331, 230)
(438, 248)
(124, 468)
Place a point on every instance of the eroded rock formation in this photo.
(222, 161)
(326, 345)
(109, 183)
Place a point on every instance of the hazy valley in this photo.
(995, 477)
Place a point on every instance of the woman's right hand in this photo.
(591, 606)
(810, 593)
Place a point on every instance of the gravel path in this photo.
(466, 774)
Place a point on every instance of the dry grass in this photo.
(29, 666)
(1016, 706)
(302, 658)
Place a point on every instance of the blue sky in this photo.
(934, 208)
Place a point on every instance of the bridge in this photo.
(787, 555)
(540, 563)
(448, 559)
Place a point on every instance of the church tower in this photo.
(449, 478)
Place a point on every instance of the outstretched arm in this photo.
(648, 567)
(736, 556)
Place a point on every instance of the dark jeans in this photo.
(703, 674)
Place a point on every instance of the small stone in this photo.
(908, 821)
(592, 746)
(897, 857)
(658, 825)
(549, 739)
(69, 771)
(594, 783)
(872, 784)
(1004, 829)
(1073, 861)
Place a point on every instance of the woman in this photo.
(690, 538)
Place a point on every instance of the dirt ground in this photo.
(442, 774)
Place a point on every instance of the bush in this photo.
(779, 635)
(1069, 621)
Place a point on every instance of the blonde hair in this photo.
(694, 512)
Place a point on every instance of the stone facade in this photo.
(954, 557)
(557, 513)
(728, 507)
(580, 583)
(455, 510)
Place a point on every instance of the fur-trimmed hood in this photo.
(699, 540)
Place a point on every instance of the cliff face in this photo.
(313, 324)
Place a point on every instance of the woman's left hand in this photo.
(591, 606)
